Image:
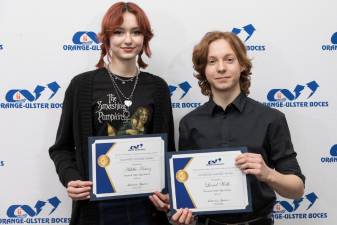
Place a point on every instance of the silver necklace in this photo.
(117, 77)
(128, 100)
(123, 81)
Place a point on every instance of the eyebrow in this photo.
(227, 55)
(133, 28)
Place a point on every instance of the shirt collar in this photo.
(238, 103)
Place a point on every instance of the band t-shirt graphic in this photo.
(111, 116)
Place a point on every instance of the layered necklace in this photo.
(114, 77)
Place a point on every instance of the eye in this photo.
(230, 59)
(211, 61)
(137, 32)
(118, 32)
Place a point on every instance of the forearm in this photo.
(66, 168)
(286, 185)
(64, 158)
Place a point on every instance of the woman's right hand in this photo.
(160, 201)
(79, 190)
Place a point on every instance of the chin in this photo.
(223, 87)
(127, 57)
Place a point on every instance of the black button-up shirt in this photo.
(244, 122)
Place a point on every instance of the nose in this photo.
(221, 67)
(128, 39)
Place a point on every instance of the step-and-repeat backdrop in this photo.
(43, 44)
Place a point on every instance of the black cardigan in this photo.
(70, 151)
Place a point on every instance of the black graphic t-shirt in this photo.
(111, 116)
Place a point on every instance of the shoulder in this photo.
(86, 76)
(154, 79)
(265, 112)
(84, 80)
(201, 111)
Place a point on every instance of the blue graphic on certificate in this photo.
(127, 166)
(208, 182)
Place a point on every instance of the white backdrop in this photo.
(293, 45)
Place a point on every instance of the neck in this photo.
(224, 98)
(126, 68)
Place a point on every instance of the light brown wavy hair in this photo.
(200, 55)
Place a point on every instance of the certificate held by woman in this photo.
(126, 166)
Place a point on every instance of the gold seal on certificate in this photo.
(103, 160)
(127, 166)
(181, 176)
(208, 181)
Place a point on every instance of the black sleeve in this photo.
(63, 151)
(283, 156)
(163, 117)
(184, 135)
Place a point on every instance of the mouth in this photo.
(127, 49)
(222, 78)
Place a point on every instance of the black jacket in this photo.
(70, 151)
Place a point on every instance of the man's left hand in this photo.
(251, 163)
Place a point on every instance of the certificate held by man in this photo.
(127, 166)
(208, 182)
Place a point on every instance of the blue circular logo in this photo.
(334, 39)
(333, 150)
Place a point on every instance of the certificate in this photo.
(127, 166)
(208, 182)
